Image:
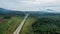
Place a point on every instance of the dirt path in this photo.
(20, 26)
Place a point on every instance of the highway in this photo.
(21, 25)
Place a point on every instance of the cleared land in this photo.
(9, 24)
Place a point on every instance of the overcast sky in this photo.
(30, 5)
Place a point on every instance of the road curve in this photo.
(20, 26)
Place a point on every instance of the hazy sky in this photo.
(33, 5)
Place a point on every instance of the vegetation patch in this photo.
(42, 25)
(26, 29)
(8, 24)
(46, 25)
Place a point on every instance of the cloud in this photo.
(30, 4)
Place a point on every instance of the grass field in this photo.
(26, 29)
(8, 26)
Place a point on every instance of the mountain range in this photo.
(6, 11)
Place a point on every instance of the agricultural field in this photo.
(42, 25)
(8, 24)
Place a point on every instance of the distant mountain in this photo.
(5, 11)
(49, 10)
(52, 11)
(12, 12)
(1, 9)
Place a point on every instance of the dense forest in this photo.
(47, 25)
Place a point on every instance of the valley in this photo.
(39, 22)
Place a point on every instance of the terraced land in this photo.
(9, 24)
